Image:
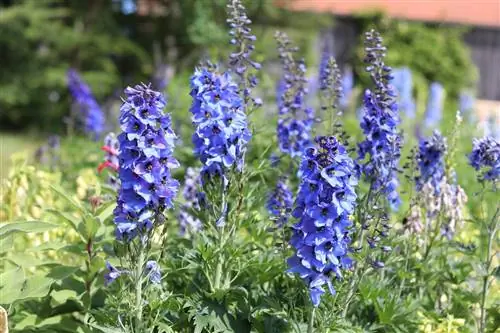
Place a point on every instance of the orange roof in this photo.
(481, 12)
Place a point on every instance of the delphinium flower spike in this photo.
(431, 161)
(90, 112)
(222, 133)
(193, 201)
(466, 103)
(324, 204)
(434, 110)
(240, 60)
(279, 203)
(382, 145)
(485, 158)
(403, 84)
(347, 87)
(295, 119)
(146, 159)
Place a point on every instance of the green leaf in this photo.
(70, 200)
(62, 296)
(28, 260)
(11, 285)
(6, 243)
(105, 212)
(66, 217)
(25, 227)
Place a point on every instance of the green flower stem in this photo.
(491, 231)
(138, 288)
(310, 327)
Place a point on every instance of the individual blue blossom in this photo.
(146, 159)
(485, 157)
(240, 60)
(112, 274)
(192, 197)
(324, 204)
(435, 101)
(279, 203)
(153, 271)
(295, 119)
(403, 83)
(222, 133)
(466, 103)
(90, 112)
(379, 153)
(347, 87)
(431, 161)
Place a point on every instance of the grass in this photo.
(15, 143)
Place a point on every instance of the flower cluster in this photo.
(325, 201)
(379, 124)
(466, 102)
(330, 82)
(403, 84)
(152, 271)
(279, 203)
(431, 161)
(295, 120)
(145, 158)
(485, 156)
(112, 149)
(434, 110)
(222, 132)
(193, 200)
(243, 39)
(93, 117)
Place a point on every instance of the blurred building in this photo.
(483, 17)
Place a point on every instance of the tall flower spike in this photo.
(90, 112)
(382, 144)
(146, 158)
(485, 157)
(279, 203)
(112, 149)
(466, 103)
(295, 119)
(431, 161)
(403, 84)
(325, 202)
(193, 200)
(222, 133)
(240, 61)
(434, 110)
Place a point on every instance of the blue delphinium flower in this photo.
(347, 87)
(382, 144)
(240, 61)
(279, 203)
(192, 197)
(153, 271)
(324, 203)
(146, 148)
(404, 86)
(431, 161)
(112, 274)
(485, 157)
(435, 101)
(295, 119)
(222, 133)
(92, 115)
(466, 103)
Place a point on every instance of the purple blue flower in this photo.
(222, 133)
(146, 158)
(295, 119)
(240, 60)
(466, 103)
(112, 274)
(279, 203)
(382, 145)
(324, 204)
(435, 101)
(192, 197)
(153, 271)
(90, 112)
(485, 157)
(347, 87)
(431, 161)
(403, 84)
